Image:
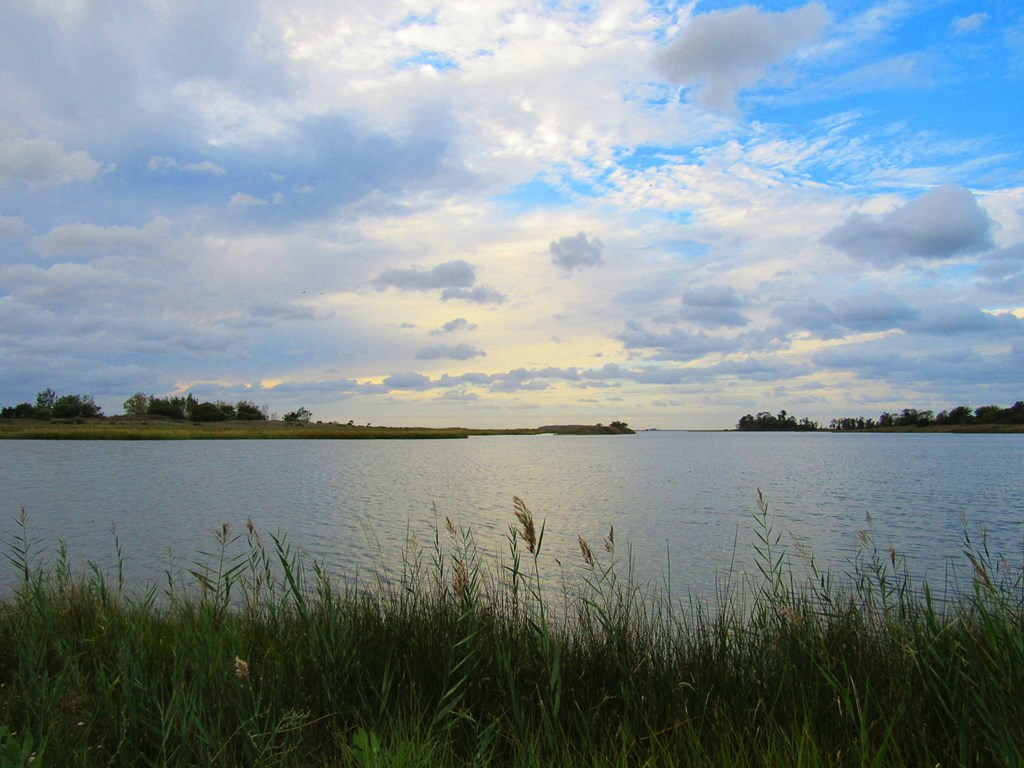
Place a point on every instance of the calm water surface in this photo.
(683, 501)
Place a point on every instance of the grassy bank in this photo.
(116, 428)
(255, 657)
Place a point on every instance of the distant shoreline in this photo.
(155, 429)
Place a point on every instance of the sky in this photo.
(508, 214)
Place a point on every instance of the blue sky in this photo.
(515, 214)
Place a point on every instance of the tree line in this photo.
(49, 405)
(782, 422)
(962, 415)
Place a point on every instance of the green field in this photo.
(252, 656)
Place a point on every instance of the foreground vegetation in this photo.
(261, 659)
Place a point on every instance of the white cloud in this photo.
(576, 251)
(12, 226)
(43, 162)
(939, 224)
(242, 201)
(91, 239)
(970, 23)
(159, 164)
(449, 352)
(724, 52)
(452, 274)
(459, 324)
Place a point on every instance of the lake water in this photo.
(682, 501)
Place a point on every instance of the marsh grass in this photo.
(253, 655)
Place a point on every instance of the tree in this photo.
(300, 416)
(212, 412)
(246, 410)
(75, 406)
(45, 401)
(19, 411)
(168, 407)
(136, 405)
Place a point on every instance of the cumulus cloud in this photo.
(12, 226)
(676, 344)
(411, 381)
(1003, 271)
(456, 279)
(481, 294)
(451, 274)
(969, 23)
(715, 305)
(873, 311)
(43, 162)
(449, 352)
(92, 238)
(457, 325)
(958, 317)
(576, 251)
(242, 201)
(158, 164)
(723, 52)
(808, 315)
(940, 224)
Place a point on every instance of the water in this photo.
(682, 501)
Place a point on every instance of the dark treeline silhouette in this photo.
(783, 422)
(962, 415)
(49, 406)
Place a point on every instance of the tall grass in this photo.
(254, 655)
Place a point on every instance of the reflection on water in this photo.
(683, 500)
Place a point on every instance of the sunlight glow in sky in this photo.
(515, 214)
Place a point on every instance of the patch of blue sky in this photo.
(644, 158)
(532, 195)
(682, 249)
(419, 19)
(651, 93)
(436, 59)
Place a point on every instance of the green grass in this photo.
(255, 656)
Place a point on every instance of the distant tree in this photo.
(300, 416)
(19, 411)
(962, 414)
(45, 401)
(987, 414)
(247, 410)
(75, 406)
(218, 411)
(136, 405)
(167, 407)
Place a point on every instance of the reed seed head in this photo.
(460, 579)
(241, 670)
(527, 531)
(588, 555)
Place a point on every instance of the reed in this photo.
(254, 655)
